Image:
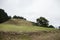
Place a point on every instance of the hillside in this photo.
(19, 22)
(18, 29)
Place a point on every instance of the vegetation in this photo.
(3, 16)
(51, 26)
(40, 35)
(17, 28)
(18, 17)
(17, 32)
(42, 22)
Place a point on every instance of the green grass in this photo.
(16, 28)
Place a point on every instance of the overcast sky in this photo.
(32, 9)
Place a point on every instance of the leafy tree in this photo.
(42, 22)
(3, 16)
(51, 26)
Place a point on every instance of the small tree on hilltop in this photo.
(18, 17)
(15, 16)
(42, 22)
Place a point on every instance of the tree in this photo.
(51, 26)
(3, 16)
(18, 17)
(15, 16)
(42, 22)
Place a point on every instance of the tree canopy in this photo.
(3, 16)
(42, 22)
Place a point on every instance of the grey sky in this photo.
(32, 9)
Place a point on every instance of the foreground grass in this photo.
(41, 35)
(16, 28)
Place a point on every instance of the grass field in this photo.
(16, 28)
(24, 30)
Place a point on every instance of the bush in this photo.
(51, 26)
(18, 17)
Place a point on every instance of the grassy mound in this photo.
(19, 22)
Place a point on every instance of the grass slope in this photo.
(16, 29)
